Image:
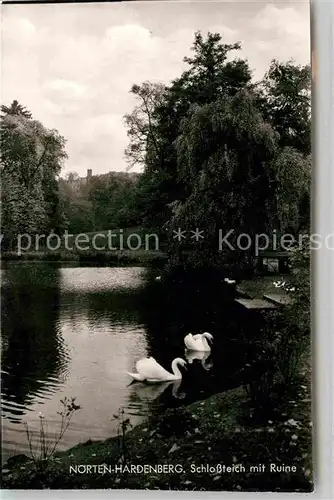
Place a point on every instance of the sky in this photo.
(73, 65)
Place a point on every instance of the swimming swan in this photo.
(229, 282)
(150, 371)
(198, 342)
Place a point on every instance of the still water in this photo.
(69, 330)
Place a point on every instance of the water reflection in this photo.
(203, 357)
(34, 354)
(171, 309)
(76, 331)
(148, 393)
(67, 332)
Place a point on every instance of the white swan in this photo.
(229, 282)
(202, 356)
(198, 342)
(150, 371)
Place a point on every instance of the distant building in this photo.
(76, 182)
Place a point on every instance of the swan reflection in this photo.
(150, 392)
(201, 356)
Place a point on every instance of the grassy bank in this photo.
(217, 432)
(260, 285)
(114, 246)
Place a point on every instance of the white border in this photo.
(322, 20)
(322, 41)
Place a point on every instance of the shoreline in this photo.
(141, 256)
(207, 439)
(200, 438)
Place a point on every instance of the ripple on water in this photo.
(92, 332)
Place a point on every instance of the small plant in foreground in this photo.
(123, 425)
(45, 445)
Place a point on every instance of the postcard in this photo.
(155, 246)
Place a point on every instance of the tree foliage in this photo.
(141, 123)
(16, 109)
(210, 75)
(103, 202)
(286, 103)
(218, 152)
(31, 160)
(222, 152)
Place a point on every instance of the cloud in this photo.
(284, 33)
(73, 67)
(63, 89)
(283, 21)
(18, 28)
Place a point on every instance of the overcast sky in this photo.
(73, 65)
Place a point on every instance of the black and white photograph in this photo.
(156, 168)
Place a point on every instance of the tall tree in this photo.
(141, 123)
(209, 75)
(232, 153)
(16, 109)
(286, 103)
(31, 160)
(237, 177)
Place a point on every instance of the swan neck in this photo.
(175, 368)
(205, 342)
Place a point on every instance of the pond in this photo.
(69, 330)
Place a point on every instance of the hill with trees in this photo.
(99, 202)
